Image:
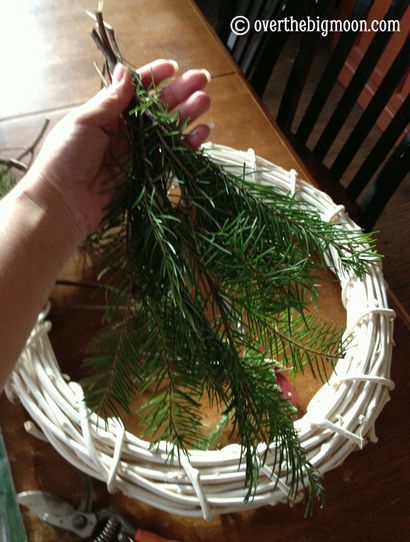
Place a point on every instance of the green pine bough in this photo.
(204, 289)
(7, 180)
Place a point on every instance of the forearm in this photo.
(37, 236)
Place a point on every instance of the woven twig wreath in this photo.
(340, 418)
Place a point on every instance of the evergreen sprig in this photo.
(217, 275)
(7, 180)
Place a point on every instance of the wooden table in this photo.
(46, 58)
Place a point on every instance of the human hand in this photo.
(77, 161)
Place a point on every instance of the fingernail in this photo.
(192, 133)
(175, 64)
(207, 74)
(118, 74)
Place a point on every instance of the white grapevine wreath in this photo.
(340, 417)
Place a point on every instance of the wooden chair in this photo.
(389, 161)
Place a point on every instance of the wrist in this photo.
(52, 205)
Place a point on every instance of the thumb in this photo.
(106, 106)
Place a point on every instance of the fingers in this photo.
(181, 89)
(198, 135)
(187, 94)
(196, 105)
(157, 71)
(106, 106)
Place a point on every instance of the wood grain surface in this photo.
(47, 54)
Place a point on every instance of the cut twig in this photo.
(17, 163)
(13, 163)
(32, 148)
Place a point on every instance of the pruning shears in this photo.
(104, 525)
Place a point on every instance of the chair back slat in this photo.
(261, 60)
(268, 55)
(386, 183)
(331, 72)
(300, 71)
(238, 43)
(358, 81)
(372, 112)
(227, 12)
(379, 152)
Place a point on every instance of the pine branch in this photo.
(7, 179)
(214, 268)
